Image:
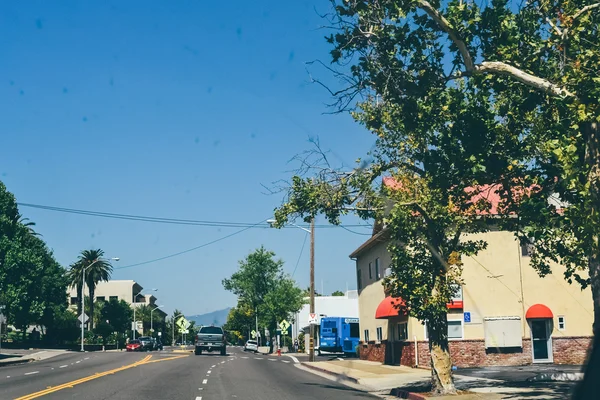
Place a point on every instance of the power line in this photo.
(300, 255)
(189, 250)
(175, 221)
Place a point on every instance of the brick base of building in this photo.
(472, 353)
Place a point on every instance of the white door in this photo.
(541, 340)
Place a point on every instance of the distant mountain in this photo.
(217, 318)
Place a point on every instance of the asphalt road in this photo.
(168, 375)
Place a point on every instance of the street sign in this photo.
(467, 316)
(312, 319)
(140, 325)
(159, 333)
(83, 318)
(253, 334)
(186, 331)
(284, 325)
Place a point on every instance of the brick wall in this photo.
(472, 353)
(570, 349)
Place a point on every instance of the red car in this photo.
(134, 345)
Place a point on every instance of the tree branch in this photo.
(445, 25)
(584, 10)
(501, 68)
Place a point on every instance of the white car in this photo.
(251, 345)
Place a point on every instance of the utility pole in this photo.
(311, 352)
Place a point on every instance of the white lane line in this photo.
(198, 398)
(271, 359)
(213, 366)
(258, 358)
(209, 371)
(8, 376)
(296, 361)
(77, 362)
(87, 358)
(245, 358)
(205, 381)
(31, 373)
(285, 361)
(222, 362)
(63, 366)
(200, 388)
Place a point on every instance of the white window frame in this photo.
(366, 333)
(462, 330)
(379, 332)
(564, 325)
(405, 329)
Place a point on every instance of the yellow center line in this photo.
(52, 389)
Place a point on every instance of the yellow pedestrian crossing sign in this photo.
(183, 324)
(284, 325)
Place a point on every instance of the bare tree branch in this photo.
(584, 10)
(553, 25)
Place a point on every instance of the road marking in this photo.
(87, 358)
(82, 380)
(245, 358)
(63, 366)
(213, 366)
(8, 376)
(77, 362)
(258, 358)
(31, 373)
(271, 359)
(222, 362)
(198, 398)
(209, 371)
(285, 361)
(205, 381)
(296, 361)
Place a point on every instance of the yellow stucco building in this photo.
(505, 314)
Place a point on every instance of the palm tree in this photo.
(74, 276)
(98, 269)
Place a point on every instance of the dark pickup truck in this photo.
(210, 338)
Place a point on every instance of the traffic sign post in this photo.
(312, 319)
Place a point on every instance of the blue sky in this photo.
(171, 109)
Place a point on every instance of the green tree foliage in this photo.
(32, 283)
(507, 91)
(119, 315)
(261, 285)
(338, 293)
(240, 321)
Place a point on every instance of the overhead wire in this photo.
(300, 255)
(176, 221)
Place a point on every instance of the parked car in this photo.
(210, 338)
(147, 343)
(134, 345)
(251, 345)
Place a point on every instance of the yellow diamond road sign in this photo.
(284, 325)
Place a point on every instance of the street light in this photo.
(83, 297)
(134, 308)
(151, 312)
(311, 347)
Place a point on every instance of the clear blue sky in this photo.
(171, 109)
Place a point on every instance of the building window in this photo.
(455, 329)
(100, 298)
(377, 276)
(379, 334)
(73, 300)
(402, 331)
(370, 271)
(366, 336)
(561, 322)
(359, 279)
(111, 298)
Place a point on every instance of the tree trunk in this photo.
(441, 363)
(590, 386)
(79, 299)
(92, 293)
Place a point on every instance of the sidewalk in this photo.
(414, 383)
(24, 356)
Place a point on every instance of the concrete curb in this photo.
(557, 377)
(16, 361)
(403, 394)
(326, 371)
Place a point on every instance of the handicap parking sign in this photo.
(467, 316)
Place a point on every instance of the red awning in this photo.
(538, 311)
(390, 307)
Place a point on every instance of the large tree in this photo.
(531, 66)
(260, 284)
(97, 269)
